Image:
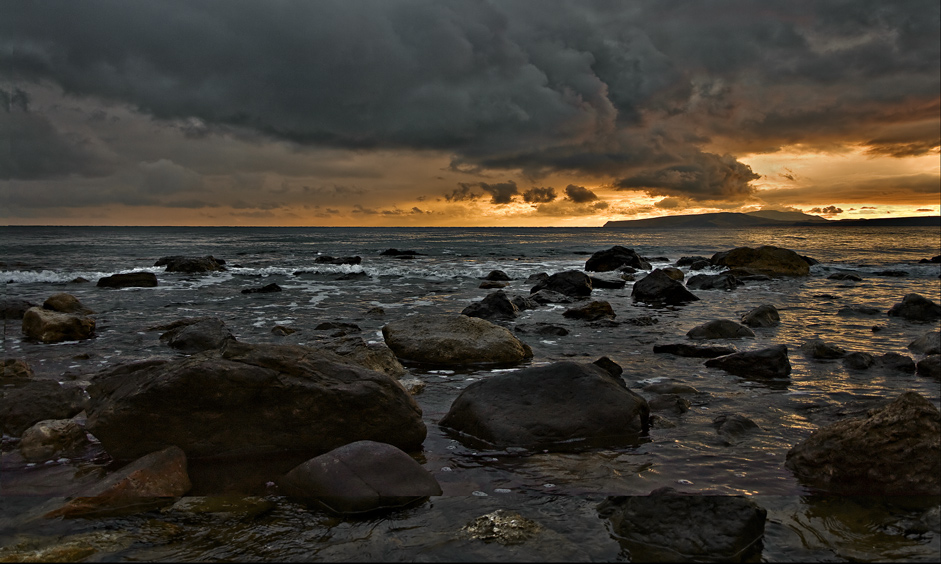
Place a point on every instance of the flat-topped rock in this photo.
(453, 340)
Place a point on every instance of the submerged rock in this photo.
(361, 477)
(817, 348)
(720, 329)
(53, 327)
(453, 340)
(896, 361)
(858, 360)
(497, 276)
(668, 526)
(916, 307)
(767, 259)
(658, 287)
(765, 363)
(128, 280)
(893, 450)
(765, 315)
(733, 427)
(551, 406)
(695, 351)
(249, 400)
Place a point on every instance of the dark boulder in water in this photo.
(266, 289)
(765, 363)
(858, 360)
(929, 366)
(694, 351)
(361, 477)
(249, 400)
(592, 311)
(570, 283)
(896, 362)
(559, 405)
(767, 259)
(542, 329)
(497, 275)
(765, 315)
(720, 329)
(817, 348)
(495, 306)
(197, 335)
(191, 265)
(614, 258)
(916, 307)
(712, 282)
(893, 450)
(669, 526)
(689, 261)
(129, 280)
(658, 288)
(733, 427)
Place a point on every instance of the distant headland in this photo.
(767, 218)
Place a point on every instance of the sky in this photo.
(465, 113)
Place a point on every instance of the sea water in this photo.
(559, 491)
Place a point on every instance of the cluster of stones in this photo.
(340, 408)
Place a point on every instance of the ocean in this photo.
(558, 491)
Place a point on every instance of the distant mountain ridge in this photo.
(764, 218)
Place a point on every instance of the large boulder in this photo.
(765, 363)
(765, 315)
(916, 307)
(658, 287)
(152, 481)
(720, 329)
(495, 305)
(929, 366)
(31, 401)
(559, 405)
(128, 280)
(191, 265)
(53, 327)
(570, 283)
(249, 400)
(453, 340)
(361, 477)
(893, 450)
(614, 258)
(65, 303)
(668, 526)
(767, 259)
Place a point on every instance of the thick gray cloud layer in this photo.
(628, 91)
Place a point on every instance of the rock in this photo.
(929, 343)
(53, 327)
(858, 360)
(897, 362)
(361, 477)
(15, 369)
(14, 309)
(497, 275)
(31, 401)
(543, 329)
(51, 438)
(282, 331)
(327, 259)
(765, 315)
(570, 283)
(929, 366)
(851, 276)
(688, 261)
(376, 312)
(670, 388)
(490, 285)
(398, 253)
(537, 278)
(495, 305)
(809, 260)
(453, 340)
(550, 297)
(340, 326)
(765, 363)
(191, 265)
(65, 303)
(859, 310)
(413, 386)
(712, 282)
(128, 280)
(817, 348)
(893, 450)
(683, 349)
(931, 260)
(550, 407)
(732, 427)
(609, 366)
(916, 307)
(263, 290)
(202, 334)
(602, 283)
(152, 481)
(667, 526)
(657, 287)
(614, 258)
(592, 311)
(249, 400)
(523, 303)
(767, 259)
(502, 526)
(720, 329)
(79, 280)
(700, 265)
(674, 273)
(669, 402)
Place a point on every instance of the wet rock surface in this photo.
(453, 340)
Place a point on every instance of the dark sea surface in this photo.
(559, 491)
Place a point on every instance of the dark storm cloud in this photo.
(625, 90)
(579, 194)
(462, 193)
(537, 195)
(709, 177)
(500, 192)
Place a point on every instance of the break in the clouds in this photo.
(149, 101)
